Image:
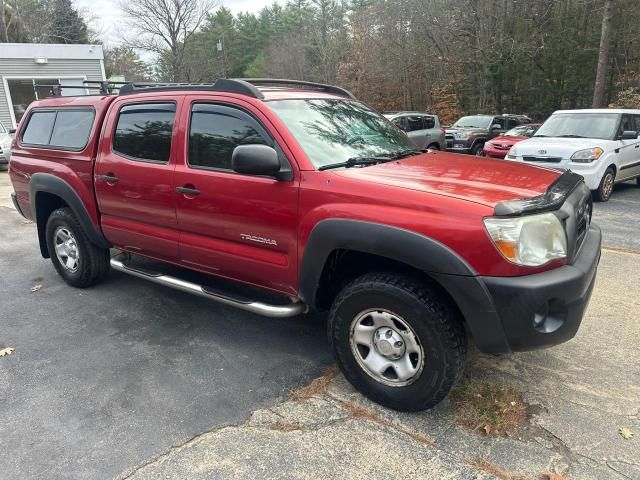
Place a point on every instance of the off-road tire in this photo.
(477, 150)
(603, 193)
(93, 263)
(435, 321)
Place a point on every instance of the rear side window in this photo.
(216, 131)
(59, 129)
(414, 123)
(38, 130)
(143, 131)
(71, 129)
(429, 122)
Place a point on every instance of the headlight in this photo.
(512, 153)
(588, 155)
(530, 241)
(461, 135)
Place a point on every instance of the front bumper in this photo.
(458, 148)
(508, 314)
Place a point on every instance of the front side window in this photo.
(580, 125)
(333, 131)
(627, 124)
(214, 133)
(143, 131)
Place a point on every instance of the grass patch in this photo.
(488, 408)
(492, 469)
(319, 386)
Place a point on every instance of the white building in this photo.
(25, 65)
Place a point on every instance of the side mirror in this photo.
(255, 159)
(629, 135)
(12, 131)
(496, 126)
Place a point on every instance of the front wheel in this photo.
(79, 262)
(433, 146)
(399, 342)
(605, 189)
(478, 150)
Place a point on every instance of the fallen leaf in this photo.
(26, 222)
(552, 476)
(6, 351)
(36, 287)
(625, 432)
(487, 429)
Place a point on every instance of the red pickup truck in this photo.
(290, 196)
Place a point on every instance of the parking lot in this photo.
(132, 380)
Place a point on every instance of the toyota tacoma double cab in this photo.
(281, 197)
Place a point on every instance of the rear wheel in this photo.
(399, 342)
(79, 262)
(605, 189)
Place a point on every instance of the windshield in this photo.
(333, 131)
(474, 121)
(522, 131)
(580, 125)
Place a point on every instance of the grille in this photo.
(531, 158)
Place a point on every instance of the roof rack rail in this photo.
(298, 83)
(245, 86)
(220, 85)
(104, 86)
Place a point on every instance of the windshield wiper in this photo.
(404, 154)
(571, 136)
(352, 162)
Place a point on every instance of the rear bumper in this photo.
(508, 314)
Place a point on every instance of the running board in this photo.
(274, 311)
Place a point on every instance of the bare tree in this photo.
(165, 26)
(603, 56)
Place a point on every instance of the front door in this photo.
(236, 226)
(134, 177)
(629, 154)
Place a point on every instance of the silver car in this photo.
(422, 128)
(5, 146)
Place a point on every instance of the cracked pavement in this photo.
(116, 389)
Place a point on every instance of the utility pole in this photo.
(220, 47)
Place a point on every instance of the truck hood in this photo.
(466, 129)
(476, 179)
(560, 147)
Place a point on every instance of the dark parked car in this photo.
(470, 133)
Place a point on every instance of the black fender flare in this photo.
(442, 264)
(45, 182)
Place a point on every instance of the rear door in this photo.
(134, 176)
(629, 154)
(416, 130)
(237, 226)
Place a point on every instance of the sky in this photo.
(107, 14)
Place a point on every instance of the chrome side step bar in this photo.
(274, 311)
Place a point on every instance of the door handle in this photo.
(188, 191)
(109, 178)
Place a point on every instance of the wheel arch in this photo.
(48, 193)
(335, 241)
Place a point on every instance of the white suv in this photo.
(602, 145)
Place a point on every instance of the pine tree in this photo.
(67, 26)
